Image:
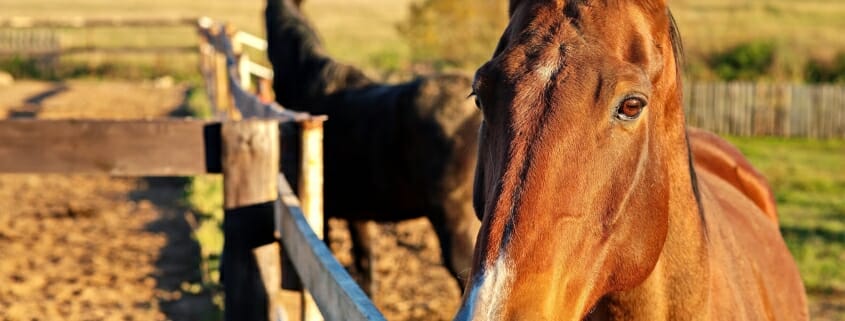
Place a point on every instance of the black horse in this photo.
(392, 152)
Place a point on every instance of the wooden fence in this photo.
(331, 294)
(230, 75)
(31, 42)
(761, 109)
(271, 239)
(37, 37)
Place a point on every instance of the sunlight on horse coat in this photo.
(591, 207)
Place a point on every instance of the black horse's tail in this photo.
(304, 74)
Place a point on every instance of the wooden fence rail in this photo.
(762, 109)
(89, 22)
(330, 293)
(334, 291)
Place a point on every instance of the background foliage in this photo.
(449, 33)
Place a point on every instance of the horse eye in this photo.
(630, 108)
(474, 95)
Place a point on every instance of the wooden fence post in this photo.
(250, 262)
(265, 90)
(223, 94)
(206, 59)
(311, 195)
(244, 74)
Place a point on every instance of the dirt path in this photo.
(79, 247)
(410, 282)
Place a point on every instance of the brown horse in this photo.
(591, 205)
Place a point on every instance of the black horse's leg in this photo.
(456, 232)
(361, 232)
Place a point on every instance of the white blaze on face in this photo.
(546, 71)
(488, 293)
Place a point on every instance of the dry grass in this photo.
(360, 32)
(812, 27)
(364, 32)
(800, 31)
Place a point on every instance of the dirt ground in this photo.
(76, 247)
(410, 281)
(81, 247)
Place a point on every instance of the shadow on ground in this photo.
(178, 266)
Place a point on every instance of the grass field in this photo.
(808, 178)
(357, 31)
(363, 32)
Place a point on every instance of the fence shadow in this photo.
(32, 105)
(178, 266)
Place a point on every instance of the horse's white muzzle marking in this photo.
(488, 293)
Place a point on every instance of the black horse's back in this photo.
(392, 151)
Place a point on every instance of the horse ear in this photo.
(298, 3)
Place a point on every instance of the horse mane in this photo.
(678, 50)
(677, 44)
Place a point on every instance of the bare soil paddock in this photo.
(80, 247)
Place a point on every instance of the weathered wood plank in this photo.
(172, 147)
(250, 263)
(336, 293)
(87, 22)
(223, 95)
(188, 49)
(250, 152)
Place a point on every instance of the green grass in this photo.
(204, 195)
(808, 178)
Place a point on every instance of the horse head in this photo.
(580, 156)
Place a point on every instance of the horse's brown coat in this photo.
(582, 211)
